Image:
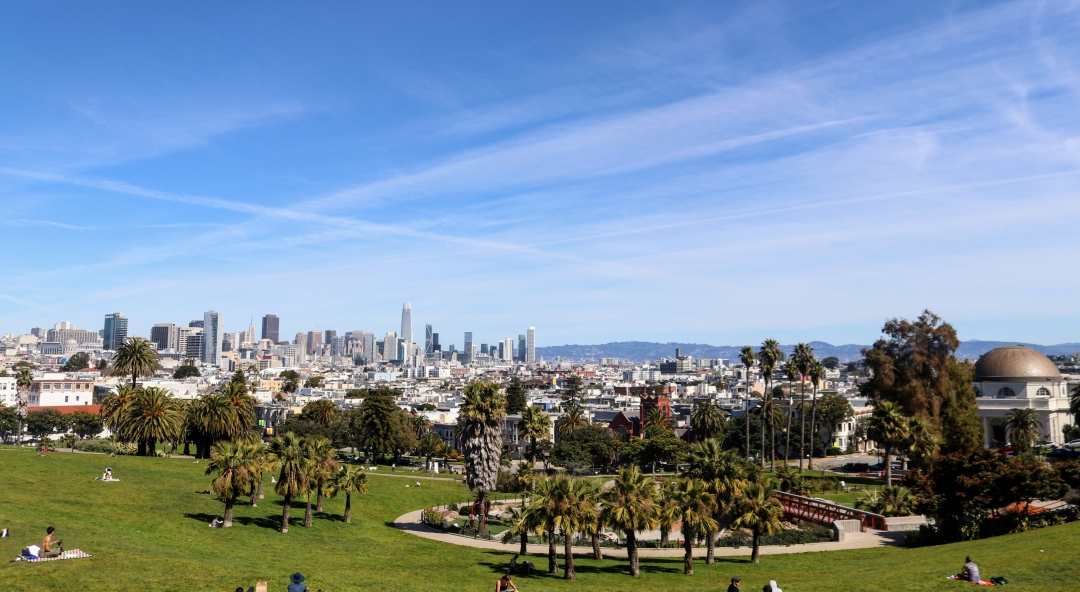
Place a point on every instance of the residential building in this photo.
(9, 391)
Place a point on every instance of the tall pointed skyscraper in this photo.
(406, 323)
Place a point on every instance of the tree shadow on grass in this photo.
(260, 521)
(610, 565)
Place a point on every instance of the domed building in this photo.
(1018, 377)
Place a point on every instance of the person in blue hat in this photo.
(297, 584)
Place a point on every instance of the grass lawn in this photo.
(149, 532)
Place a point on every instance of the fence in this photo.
(825, 513)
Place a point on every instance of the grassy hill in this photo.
(149, 532)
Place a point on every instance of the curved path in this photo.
(871, 538)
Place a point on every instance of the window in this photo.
(1043, 392)
(67, 386)
(77, 400)
(1006, 392)
(65, 398)
(46, 386)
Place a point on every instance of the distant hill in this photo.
(637, 351)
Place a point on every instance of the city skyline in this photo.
(841, 165)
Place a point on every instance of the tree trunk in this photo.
(772, 457)
(664, 533)
(524, 545)
(318, 499)
(228, 513)
(597, 554)
(568, 557)
(285, 514)
(688, 557)
(187, 447)
(813, 418)
(787, 429)
(348, 508)
(802, 423)
(553, 563)
(142, 448)
(631, 552)
(710, 544)
(748, 419)
(307, 512)
(755, 555)
(888, 466)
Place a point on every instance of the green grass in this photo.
(149, 532)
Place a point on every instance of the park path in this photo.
(871, 538)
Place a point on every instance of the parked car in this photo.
(1063, 452)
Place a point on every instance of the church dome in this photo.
(1015, 363)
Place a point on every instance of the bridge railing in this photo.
(825, 513)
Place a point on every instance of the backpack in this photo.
(998, 581)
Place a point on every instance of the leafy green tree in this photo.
(922, 442)
(348, 480)
(231, 464)
(136, 356)
(185, 371)
(696, 507)
(757, 508)
(378, 422)
(571, 421)
(76, 362)
(85, 424)
(747, 357)
(10, 422)
(1074, 402)
(290, 455)
(590, 445)
(831, 362)
(290, 381)
(24, 379)
(771, 415)
(572, 390)
(44, 422)
(313, 382)
(114, 406)
(516, 399)
(323, 412)
(833, 409)
(889, 428)
(1023, 427)
(630, 505)
(430, 446)
(889, 501)
(480, 424)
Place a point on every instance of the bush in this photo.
(102, 446)
(833, 451)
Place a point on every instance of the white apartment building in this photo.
(9, 394)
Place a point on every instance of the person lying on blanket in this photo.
(970, 571)
(49, 547)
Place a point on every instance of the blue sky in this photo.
(714, 172)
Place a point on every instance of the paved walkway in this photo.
(871, 538)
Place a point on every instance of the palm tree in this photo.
(658, 416)
(542, 517)
(570, 505)
(757, 508)
(769, 356)
(431, 445)
(290, 454)
(592, 521)
(890, 501)
(114, 406)
(24, 379)
(723, 475)
(521, 524)
(231, 462)
(696, 508)
(817, 375)
(888, 428)
(630, 505)
(803, 355)
(572, 421)
(242, 406)
(923, 442)
(791, 372)
(772, 415)
(348, 480)
(707, 420)
(153, 416)
(481, 425)
(667, 509)
(420, 425)
(136, 356)
(1074, 403)
(212, 417)
(321, 451)
(535, 424)
(747, 357)
(1022, 427)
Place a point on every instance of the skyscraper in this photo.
(429, 345)
(329, 336)
(212, 337)
(314, 340)
(530, 346)
(270, 326)
(467, 351)
(390, 347)
(116, 328)
(406, 323)
(435, 347)
(189, 340)
(369, 346)
(251, 331)
(521, 348)
(164, 336)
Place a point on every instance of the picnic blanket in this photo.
(69, 554)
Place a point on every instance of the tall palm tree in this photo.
(667, 508)
(630, 505)
(153, 416)
(114, 406)
(136, 356)
(707, 420)
(348, 480)
(771, 415)
(923, 442)
(24, 379)
(803, 355)
(521, 523)
(791, 372)
(747, 357)
(542, 516)
(213, 417)
(231, 462)
(769, 356)
(1022, 427)
(658, 416)
(723, 475)
(758, 509)
(570, 505)
(572, 421)
(242, 407)
(592, 524)
(290, 454)
(321, 451)
(817, 376)
(481, 426)
(889, 428)
(535, 424)
(696, 508)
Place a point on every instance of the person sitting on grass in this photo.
(297, 584)
(970, 572)
(505, 584)
(50, 548)
(217, 522)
